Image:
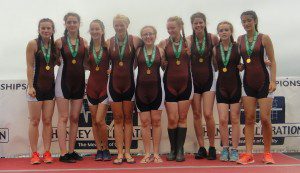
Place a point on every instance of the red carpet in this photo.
(88, 165)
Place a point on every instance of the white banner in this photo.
(14, 124)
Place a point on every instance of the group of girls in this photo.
(126, 71)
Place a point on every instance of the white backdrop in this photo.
(19, 20)
(14, 123)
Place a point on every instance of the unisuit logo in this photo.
(85, 137)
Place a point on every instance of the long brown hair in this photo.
(203, 17)
(103, 43)
(66, 18)
(53, 49)
(253, 15)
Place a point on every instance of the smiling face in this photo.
(46, 29)
(72, 24)
(96, 31)
(198, 25)
(148, 35)
(248, 22)
(224, 31)
(120, 26)
(173, 28)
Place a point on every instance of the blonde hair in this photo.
(148, 26)
(230, 27)
(176, 19)
(179, 22)
(123, 18)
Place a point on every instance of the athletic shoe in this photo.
(224, 155)
(212, 153)
(67, 159)
(106, 155)
(234, 155)
(76, 156)
(99, 155)
(47, 157)
(268, 159)
(245, 159)
(201, 154)
(35, 158)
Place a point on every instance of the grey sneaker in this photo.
(234, 155)
(224, 155)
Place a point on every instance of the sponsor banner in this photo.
(14, 124)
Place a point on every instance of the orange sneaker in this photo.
(47, 157)
(268, 159)
(35, 158)
(245, 159)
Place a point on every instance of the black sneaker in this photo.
(76, 156)
(99, 155)
(212, 153)
(67, 159)
(106, 155)
(201, 154)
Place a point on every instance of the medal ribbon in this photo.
(73, 52)
(46, 52)
(98, 57)
(225, 58)
(202, 48)
(149, 62)
(178, 51)
(249, 47)
(122, 51)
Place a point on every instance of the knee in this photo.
(63, 119)
(101, 122)
(250, 121)
(208, 115)
(35, 122)
(223, 121)
(94, 123)
(197, 115)
(145, 123)
(172, 121)
(128, 119)
(47, 121)
(235, 121)
(265, 121)
(182, 120)
(156, 122)
(118, 119)
(74, 119)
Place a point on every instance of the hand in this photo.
(188, 51)
(268, 62)
(240, 67)
(272, 86)
(31, 91)
(108, 71)
(58, 61)
(165, 63)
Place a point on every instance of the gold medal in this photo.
(248, 60)
(121, 63)
(148, 71)
(201, 60)
(47, 67)
(97, 68)
(224, 69)
(74, 61)
(178, 62)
